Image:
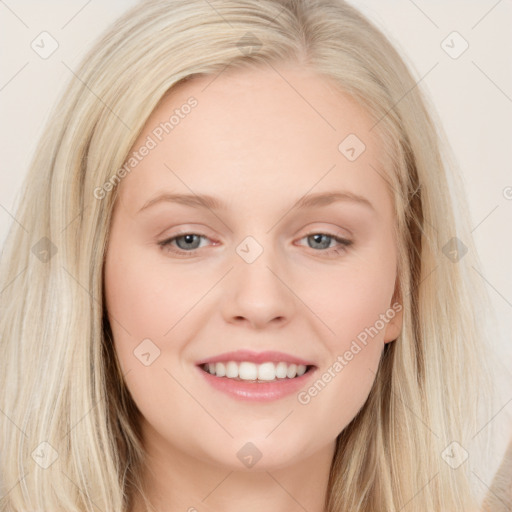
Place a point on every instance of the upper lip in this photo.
(255, 357)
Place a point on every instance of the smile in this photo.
(245, 384)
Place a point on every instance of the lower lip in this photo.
(257, 391)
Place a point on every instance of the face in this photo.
(252, 270)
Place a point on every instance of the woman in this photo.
(251, 370)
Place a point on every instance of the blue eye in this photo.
(188, 243)
(184, 241)
(317, 241)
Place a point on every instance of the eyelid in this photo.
(167, 241)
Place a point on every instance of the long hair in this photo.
(69, 429)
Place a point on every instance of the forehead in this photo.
(283, 129)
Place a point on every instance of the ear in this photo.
(394, 325)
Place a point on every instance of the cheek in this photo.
(145, 298)
(360, 308)
(142, 307)
(357, 309)
(353, 310)
(356, 299)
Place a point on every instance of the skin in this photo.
(255, 143)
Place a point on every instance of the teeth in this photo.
(281, 370)
(220, 369)
(266, 371)
(231, 369)
(251, 371)
(301, 370)
(292, 371)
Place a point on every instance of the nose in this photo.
(258, 294)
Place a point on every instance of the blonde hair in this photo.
(61, 383)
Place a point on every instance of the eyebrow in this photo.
(212, 203)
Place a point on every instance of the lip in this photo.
(257, 391)
(255, 357)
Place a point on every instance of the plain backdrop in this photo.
(472, 93)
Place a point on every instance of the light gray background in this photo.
(472, 94)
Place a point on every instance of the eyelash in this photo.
(166, 244)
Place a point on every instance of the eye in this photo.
(323, 241)
(187, 243)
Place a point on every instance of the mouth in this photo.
(265, 377)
